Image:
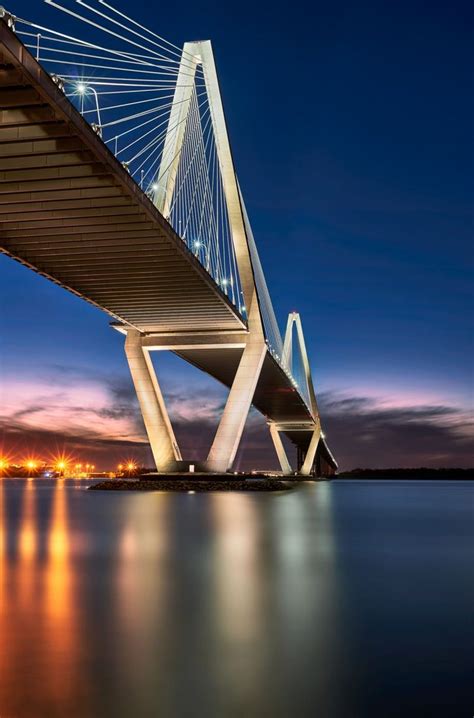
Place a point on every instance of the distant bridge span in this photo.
(71, 211)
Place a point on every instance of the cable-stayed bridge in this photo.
(117, 182)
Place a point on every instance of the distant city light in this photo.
(3, 464)
(31, 465)
(131, 466)
(61, 465)
(120, 467)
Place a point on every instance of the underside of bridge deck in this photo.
(69, 210)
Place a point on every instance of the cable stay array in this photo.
(294, 360)
(298, 373)
(146, 98)
(272, 330)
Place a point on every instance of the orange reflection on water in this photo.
(39, 622)
(27, 546)
(3, 547)
(59, 598)
(58, 541)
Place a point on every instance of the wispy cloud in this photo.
(373, 432)
(97, 414)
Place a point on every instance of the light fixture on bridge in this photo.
(58, 81)
(225, 282)
(154, 187)
(197, 244)
(81, 87)
(97, 128)
(8, 17)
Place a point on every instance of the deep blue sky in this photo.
(351, 127)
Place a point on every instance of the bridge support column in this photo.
(280, 449)
(157, 424)
(311, 453)
(226, 442)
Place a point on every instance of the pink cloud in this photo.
(83, 408)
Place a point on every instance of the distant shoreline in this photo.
(409, 474)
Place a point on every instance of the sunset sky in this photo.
(351, 128)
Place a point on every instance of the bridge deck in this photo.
(69, 210)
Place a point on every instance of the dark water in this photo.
(338, 599)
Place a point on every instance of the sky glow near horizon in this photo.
(363, 220)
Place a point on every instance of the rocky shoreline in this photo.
(195, 485)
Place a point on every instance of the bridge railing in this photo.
(147, 100)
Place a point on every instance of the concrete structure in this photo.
(70, 211)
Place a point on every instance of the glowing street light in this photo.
(131, 467)
(61, 466)
(31, 466)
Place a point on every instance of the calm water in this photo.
(338, 599)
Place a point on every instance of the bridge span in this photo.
(71, 211)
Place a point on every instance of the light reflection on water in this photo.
(322, 601)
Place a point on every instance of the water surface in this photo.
(351, 599)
